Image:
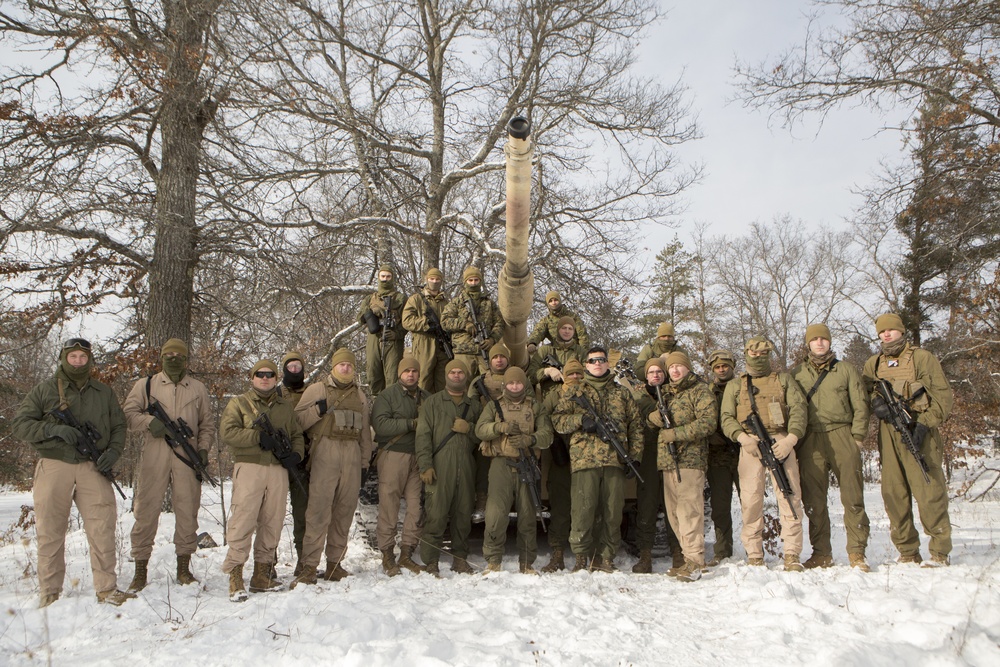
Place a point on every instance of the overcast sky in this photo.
(756, 169)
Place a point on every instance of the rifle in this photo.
(625, 373)
(672, 446)
(443, 339)
(526, 464)
(901, 420)
(550, 361)
(608, 432)
(86, 444)
(177, 436)
(388, 321)
(283, 452)
(481, 332)
(754, 423)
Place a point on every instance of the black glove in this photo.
(106, 461)
(372, 322)
(203, 455)
(919, 433)
(267, 442)
(881, 408)
(321, 405)
(588, 425)
(292, 460)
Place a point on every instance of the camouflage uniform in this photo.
(598, 486)
(425, 347)
(458, 322)
(381, 364)
(548, 328)
(902, 481)
(561, 352)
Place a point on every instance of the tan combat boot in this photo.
(858, 561)
(645, 563)
(184, 576)
(406, 559)
(237, 591)
(581, 564)
(526, 568)
(817, 560)
(306, 576)
(556, 561)
(262, 581)
(46, 599)
(494, 565)
(335, 573)
(690, 572)
(389, 562)
(115, 597)
(909, 558)
(937, 560)
(460, 565)
(601, 564)
(433, 569)
(755, 561)
(792, 563)
(139, 578)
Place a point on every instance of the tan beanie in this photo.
(572, 366)
(470, 272)
(654, 362)
(563, 321)
(342, 355)
(262, 364)
(515, 374)
(499, 350)
(814, 331)
(456, 363)
(292, 356)
(665, 329)
(552, 295)
(889, 321)
(176, 346)
(678, 357)
(406, 364)
(435, 273)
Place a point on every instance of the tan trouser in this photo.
(752, 502)
(57, 486)
(259, 496)
(160, 467)
(334, 482)
(686, 511)
(398, 477)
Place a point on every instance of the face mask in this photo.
(293, 380)
(512, 397)
(77, 376)
(174, 367)
(759, 366)
(474, 289)
(455, 387)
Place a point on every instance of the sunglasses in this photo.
(597, 360)
(264, 374)
(76, 342)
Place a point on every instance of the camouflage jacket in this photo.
(548, 327)
(654, 348)
(692, 411)
(457, 321)
(562, 352)
(611, 401)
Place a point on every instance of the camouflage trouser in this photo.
(902, 483)
(597, 493)
(721, 479)
(382, 368)
(818, 454)
(557, 483)
(506, 490)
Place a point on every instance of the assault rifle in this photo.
(626, 374)
(443, 339)
(86, 444)
(525, 464)
(550, 361)
(608, 432)
(764, 442)
(672, 446)
(178, 437)
(283, 452)
(901, 420)
(481, 332)
(388, 320)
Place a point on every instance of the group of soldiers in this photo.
(456, 430)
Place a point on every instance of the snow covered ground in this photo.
(897, 615)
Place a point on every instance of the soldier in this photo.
(394, 417)
(182, 397)
(386, 334)
(548, 327)
(916, 376)
(723, 462)
(661, 346)
(838, 422)
(444, 443)
(492, 381)
(776, 397)
(468, 345)
(649, 492)
(598, 483)
(293, 385)
(336, 416)
(260, 483)
(420, 315)
(63, 475)
(691, 407)
(547, 361)
(509, 428)
(556, 468)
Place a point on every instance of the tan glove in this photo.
(784, 446)
(460, 425)
(655, 418)
(377, 305)
(428, 476)
(860, 444)
(509, 428)
(531, 348)
(554, 374)
(520, 441)
(668, 435)
(486, 344)
(749, 444)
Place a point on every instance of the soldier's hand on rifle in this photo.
(268, 442)
(460, 425)
(881, 408)
(531, 348)
(782, 447)
(292, 460)
(509, 428)
(486, 344)
(321, 406)
(428, 476)
(668, 435)
(588, 425)
(520, 441)
(106, 461)
(203, 455)
(157, 428)
(554, 374)
(655, 418)
(470, 329)
(749, 444)
(919, 433)
(63, 432)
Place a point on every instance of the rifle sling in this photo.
(173, 446)
(465, 410)
(819, 380)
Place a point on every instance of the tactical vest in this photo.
(344, 416)
(523, 414)
(494, 384)
(770, 399)
(901, 373)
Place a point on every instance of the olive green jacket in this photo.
(840, 399)
(394, 418)
(437, 414)
(930, 374)
(239, 434)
